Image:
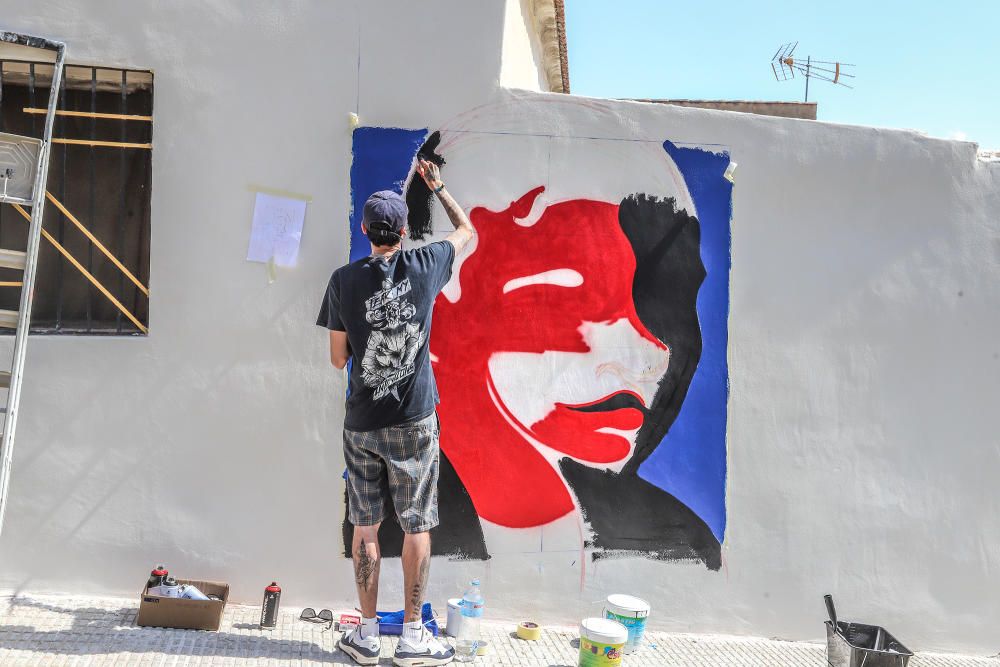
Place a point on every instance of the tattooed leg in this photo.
(367, 562)
(416, 568)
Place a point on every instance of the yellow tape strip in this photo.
(107, 144)
(100, 246)
(85, 273)
(88, 114)
(279, 193)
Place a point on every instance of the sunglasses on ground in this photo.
(309, 614)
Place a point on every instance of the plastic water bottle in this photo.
(467, 641)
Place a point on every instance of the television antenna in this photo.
(785, 65)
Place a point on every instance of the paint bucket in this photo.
(601, 642)
(454, 617)
(630, 612)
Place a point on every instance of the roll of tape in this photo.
(529, 630)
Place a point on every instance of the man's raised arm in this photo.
(464, 230)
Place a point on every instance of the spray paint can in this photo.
(169, 588)
(269, 610)
(156, 579)
(189, 592)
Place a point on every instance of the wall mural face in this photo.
(580, 348)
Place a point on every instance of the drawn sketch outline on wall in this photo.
(596, 376)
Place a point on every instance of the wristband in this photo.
(439, 188)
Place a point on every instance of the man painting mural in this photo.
(378, 310)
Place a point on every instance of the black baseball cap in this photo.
(388, 207)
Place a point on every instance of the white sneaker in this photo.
(427, 652)
(363, 650)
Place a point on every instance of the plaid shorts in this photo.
(398, 460)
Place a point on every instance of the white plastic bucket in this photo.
(630, 612)
(601, 642)
(454, 617)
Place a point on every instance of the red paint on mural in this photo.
(509, 480)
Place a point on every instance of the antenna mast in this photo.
(784, 64)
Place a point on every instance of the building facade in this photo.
(727, 390)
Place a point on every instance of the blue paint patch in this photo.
(382, 159)
(690, 461)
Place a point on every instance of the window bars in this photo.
(100, 174)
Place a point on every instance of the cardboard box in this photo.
(164, 612)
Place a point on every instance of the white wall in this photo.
(521, 50)
(864, 362)
(213, 444)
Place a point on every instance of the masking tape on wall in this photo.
(730, 173)
(529, 630)
(278, 192)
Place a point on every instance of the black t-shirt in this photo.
(385, 307)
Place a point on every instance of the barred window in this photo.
(98, 200)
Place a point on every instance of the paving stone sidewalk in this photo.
(48, 631)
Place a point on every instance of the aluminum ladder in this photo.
(24, 167)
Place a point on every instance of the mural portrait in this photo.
(580, 347)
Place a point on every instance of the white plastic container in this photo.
(601, 642)
(630, 612)
(454, 617)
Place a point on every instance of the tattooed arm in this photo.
(464, 231)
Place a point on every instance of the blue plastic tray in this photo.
(391, 622)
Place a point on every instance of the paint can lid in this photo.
(603, 631)
(626, 605)
(273, 588)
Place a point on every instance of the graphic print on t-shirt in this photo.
(394, 341)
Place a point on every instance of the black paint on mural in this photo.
(418, 195)
(628, 514)
(668, 273)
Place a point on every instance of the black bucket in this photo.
(858, 645)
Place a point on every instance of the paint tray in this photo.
(391, 622)
(859, 645)
(18, 167)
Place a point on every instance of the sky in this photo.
(922, 65)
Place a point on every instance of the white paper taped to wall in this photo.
(277, 229)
